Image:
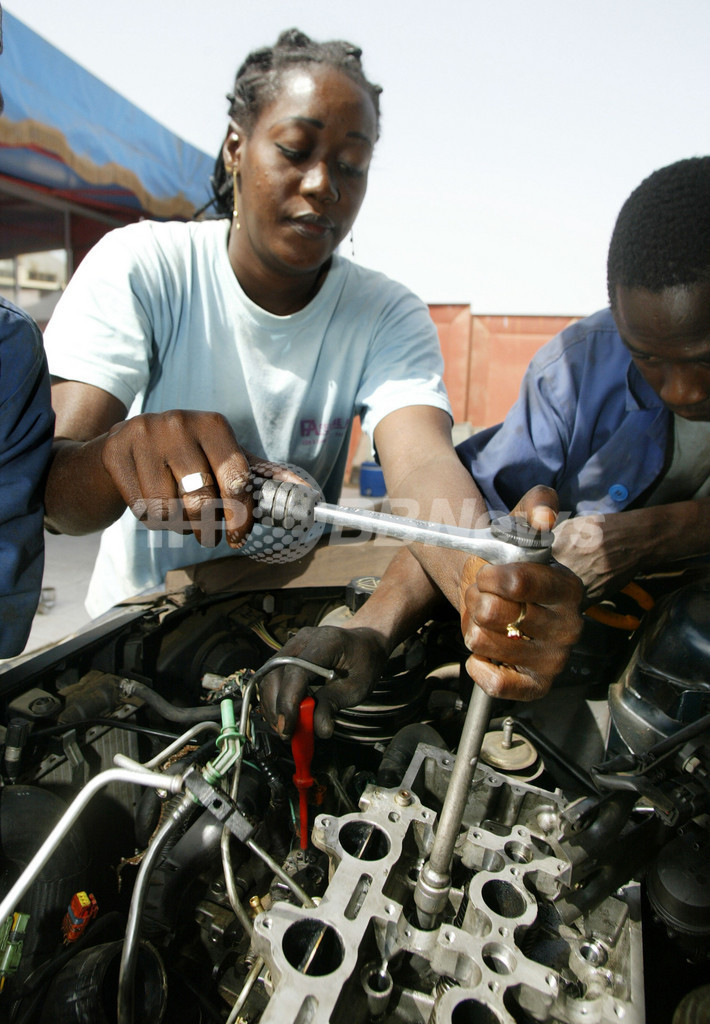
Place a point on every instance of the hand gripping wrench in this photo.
(296, 507)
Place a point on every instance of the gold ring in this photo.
(195, 482)
(512, 629)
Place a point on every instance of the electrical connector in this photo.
(82, 909)
(12, 934)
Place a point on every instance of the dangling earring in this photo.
(352, 244)
(235, 211)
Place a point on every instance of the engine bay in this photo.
(162, 859)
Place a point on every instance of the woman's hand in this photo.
(542, 603)
(358, 656)
(520, 620)
(183, 471)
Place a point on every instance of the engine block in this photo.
(500, 957)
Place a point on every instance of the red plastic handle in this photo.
(302, 750)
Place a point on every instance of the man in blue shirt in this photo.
(614, 413)
(26, 429)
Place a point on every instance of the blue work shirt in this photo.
(585, 423)
(26, 429)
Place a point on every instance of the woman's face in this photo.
(302, 172)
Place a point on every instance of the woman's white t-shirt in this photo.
(155, 316)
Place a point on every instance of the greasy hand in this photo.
(520, 668)
(359, 656)
(604, 551)
(147, 456)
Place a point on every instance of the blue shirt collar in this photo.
(639, 393)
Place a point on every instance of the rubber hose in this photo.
(36, 985)
(400, 752)
(184, 716)
(84, 992)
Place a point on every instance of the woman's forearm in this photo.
(403, 601)
(80, 496)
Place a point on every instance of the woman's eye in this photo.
(292, 154)
(350, 171)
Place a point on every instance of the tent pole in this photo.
(69, 250)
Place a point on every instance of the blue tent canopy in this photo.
(76, 158)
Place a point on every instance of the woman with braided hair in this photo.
(184, 354)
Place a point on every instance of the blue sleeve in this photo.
(578, 426)
(26, 429)
(529, 447)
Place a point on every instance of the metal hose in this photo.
(129, 957)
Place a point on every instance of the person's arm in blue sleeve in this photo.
(528, 448)
(26, 429)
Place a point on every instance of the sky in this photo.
(512, 130)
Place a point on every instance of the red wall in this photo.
(501, 348)
(485, 358)
(454, 325)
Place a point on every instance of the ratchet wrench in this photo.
(296, 507)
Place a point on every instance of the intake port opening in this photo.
(499, 958)
(503, 898)
(313, 948)
(470, 1011)
(363, 840)
(520, 853)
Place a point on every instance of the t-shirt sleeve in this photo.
(26, 429)
(102, 329)
(405, 365)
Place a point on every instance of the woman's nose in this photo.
(320, 182)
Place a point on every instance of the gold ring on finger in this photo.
(513, 628)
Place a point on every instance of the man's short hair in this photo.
(662, 234)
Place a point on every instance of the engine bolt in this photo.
(256, 905)
(404, 798)
(507, 740)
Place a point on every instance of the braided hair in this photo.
(259, 79)
(662, 234)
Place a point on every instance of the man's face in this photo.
(668, 336)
